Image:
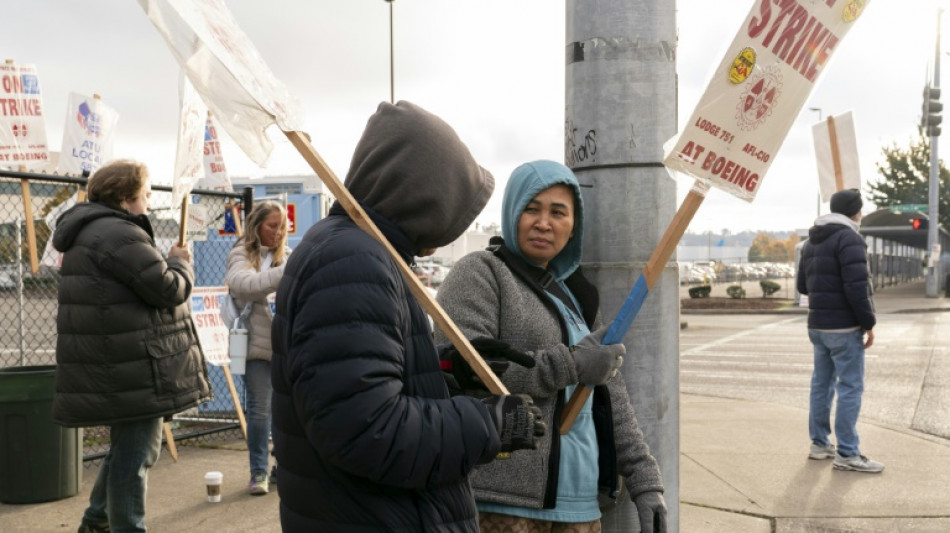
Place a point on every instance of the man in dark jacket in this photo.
(833, 272)
(366, 436)
(127, 353)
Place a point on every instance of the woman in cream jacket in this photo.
(255, 266)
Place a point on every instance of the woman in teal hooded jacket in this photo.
(528, 292)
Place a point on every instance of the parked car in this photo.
(435, 271)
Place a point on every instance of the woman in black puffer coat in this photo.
(127, 352)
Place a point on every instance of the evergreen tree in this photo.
(906, 179)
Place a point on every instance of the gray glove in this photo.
(596, 362)
(652, 510)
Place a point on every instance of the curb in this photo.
(800, 311)
(923, 310)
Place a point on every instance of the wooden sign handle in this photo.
(183, 226)
(234, 398)
(650, 275)
(356, 212)
(30, 227)
(170, 440)
(835, 154)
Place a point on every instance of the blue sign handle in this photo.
(628, 311)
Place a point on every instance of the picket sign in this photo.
(22, 126)
(244, 95)
(28, 207)
(739, 124)
(836, 153)
(212, 330)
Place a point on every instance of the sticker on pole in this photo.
(758, 90)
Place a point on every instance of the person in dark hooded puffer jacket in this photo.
(127, 353)
(833, 272)
(366, 436)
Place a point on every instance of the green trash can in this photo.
(39, 461)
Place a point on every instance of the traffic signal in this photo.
(918, 223)
(930, 120)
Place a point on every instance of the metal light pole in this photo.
(933, 215)
(620, 109)
(818, 109)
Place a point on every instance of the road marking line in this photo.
(730, 338)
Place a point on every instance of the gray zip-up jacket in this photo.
(486, 298)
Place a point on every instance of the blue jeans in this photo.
(839, 367)
(258, 385)
(118, 496)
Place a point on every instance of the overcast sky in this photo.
(493, 69)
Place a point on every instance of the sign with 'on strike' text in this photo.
(22, 128)
(758, 90)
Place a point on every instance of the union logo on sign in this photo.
(759, 98)
(31, 84)
(88, 120)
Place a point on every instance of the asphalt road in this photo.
(769, 358)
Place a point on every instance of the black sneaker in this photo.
(273, 475)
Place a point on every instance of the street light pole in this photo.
(818, 109)
(932, 281)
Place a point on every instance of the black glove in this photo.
(652, 510)
(460, 377)
(517, 420)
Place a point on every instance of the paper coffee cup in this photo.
(213, 485)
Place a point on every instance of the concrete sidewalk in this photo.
(744, 464)
(743, 468)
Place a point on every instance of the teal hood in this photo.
(525, 183)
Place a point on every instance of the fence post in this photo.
(248, 200)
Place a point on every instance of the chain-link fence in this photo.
(29, 284)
